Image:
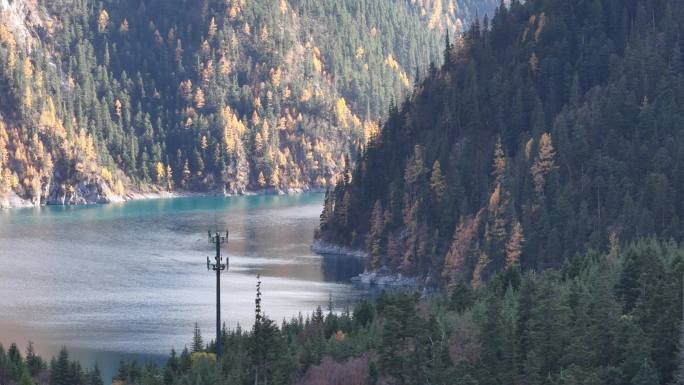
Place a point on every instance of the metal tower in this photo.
(218, 266)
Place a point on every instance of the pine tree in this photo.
(437, 183)
(34, 364)
(461, 297)
(647, 374)
(197, 342)
(59, 369)
(376, 235)
(679, 374)
(499, 168)
(95, 377)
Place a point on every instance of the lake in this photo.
(130, 280)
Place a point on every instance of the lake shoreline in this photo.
(11, 200)
(382, 277)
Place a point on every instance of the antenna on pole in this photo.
(218, 266)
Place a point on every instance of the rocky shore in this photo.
(321, 247)
(380, 277)
(384, 277)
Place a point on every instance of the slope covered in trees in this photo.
(98, 98)
(552, 129)
(612, 319)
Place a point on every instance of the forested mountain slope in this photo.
(555, 128)
(99, 98)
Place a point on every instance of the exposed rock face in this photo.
(12, 200)
(85, 192)
(24, 18)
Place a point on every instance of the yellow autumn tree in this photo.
(160, 172)
(48, 116)
(461, 245)
(119, 187)
(274, 180)
(276, 76)
(482, 262)
(212, 28)
(261, 180)
(514, 246)
(341, 111)
(199, 99)
(264, 34)
(102, 21)
(27, 68)
(106, 175)
(225, 67)
(28, 97)
(544, 163)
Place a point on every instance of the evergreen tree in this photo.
(197, 342)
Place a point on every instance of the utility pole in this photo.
(218, 266)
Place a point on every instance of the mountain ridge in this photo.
(237, 96)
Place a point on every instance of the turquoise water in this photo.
(130, 280)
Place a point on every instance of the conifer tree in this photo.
(197, 342)
(437, 183)
(376, 235)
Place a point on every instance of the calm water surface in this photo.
(130, 280)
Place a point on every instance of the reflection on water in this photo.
(130, 279)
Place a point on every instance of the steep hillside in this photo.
(101, 98)
(554, 129)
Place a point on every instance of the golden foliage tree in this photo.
(211, 32)
(160, 172)
(117, 108)
(462, 244)
(102, 21)
(544, 163)
(514, 246)
(274, 180)
(199, 99)
(482, 262)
